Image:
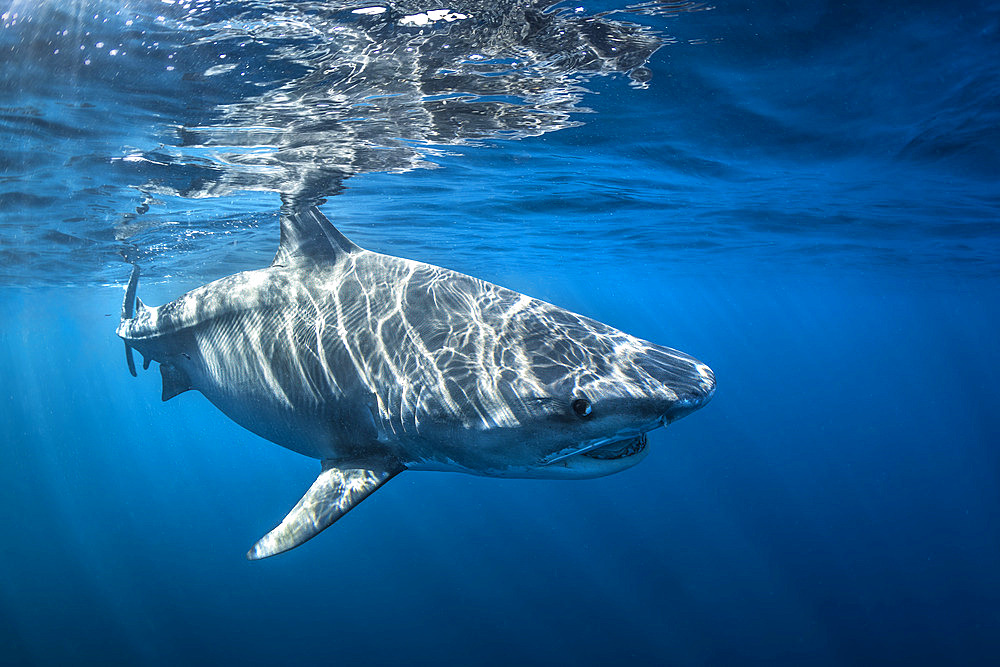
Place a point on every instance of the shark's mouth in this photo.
(619, 449)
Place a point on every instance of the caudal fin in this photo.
(128, 309)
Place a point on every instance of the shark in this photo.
(375, 365)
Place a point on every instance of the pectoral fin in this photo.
(330, 497)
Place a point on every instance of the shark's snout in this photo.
(687, 382)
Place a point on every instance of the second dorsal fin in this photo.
(307, 237)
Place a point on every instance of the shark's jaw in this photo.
(584, 461)
(605, 459)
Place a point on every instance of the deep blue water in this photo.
(804, 195)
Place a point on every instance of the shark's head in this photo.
(601, 392)
(564, 396)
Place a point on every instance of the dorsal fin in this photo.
(307, 237)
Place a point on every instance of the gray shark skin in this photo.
(376, 364)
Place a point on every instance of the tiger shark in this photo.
(375, 364)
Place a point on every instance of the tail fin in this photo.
(128, 308)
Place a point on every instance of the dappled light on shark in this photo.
(376, 364)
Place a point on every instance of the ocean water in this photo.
(805, 195)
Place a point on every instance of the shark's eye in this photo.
(581, 407)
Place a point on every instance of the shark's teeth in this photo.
(620, 449)
(603, 449)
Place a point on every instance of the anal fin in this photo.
(334, 493)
